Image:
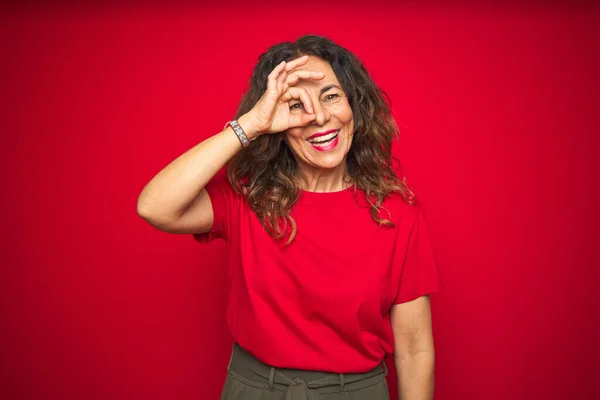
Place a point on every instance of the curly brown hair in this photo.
(265, 172)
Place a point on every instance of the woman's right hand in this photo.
(272, 113)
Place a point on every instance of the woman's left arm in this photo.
(414, 354)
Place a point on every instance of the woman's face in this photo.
(324, 143)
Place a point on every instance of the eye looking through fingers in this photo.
(304, 103)
(297, 107)
(300, 100)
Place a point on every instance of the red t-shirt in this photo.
(323, 302)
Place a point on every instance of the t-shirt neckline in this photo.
(324, 194)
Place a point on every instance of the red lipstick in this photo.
(324, 141)
(316, 135)
(328, 147)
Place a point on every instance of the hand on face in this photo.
(272, 112)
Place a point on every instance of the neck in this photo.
(324, 180)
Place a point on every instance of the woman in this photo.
(330, 264)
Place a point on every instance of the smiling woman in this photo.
(330, 261)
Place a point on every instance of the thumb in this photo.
(302, 119)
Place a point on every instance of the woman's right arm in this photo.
(175, 200)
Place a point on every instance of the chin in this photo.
(329, 161)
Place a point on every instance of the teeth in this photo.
(323, 144)
(325, 138)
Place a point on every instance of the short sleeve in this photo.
(420, 274)
(222, 198)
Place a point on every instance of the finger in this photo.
(302, 95)
(286, 96)
(290, 95)
(301, 120)
(306, 119)
(296, 63)
(272, 78)
(277, 70)
(281, 85)
(295, 76)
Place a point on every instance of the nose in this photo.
(322, 114)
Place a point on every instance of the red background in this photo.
(498, 107)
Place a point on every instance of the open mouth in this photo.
(325, 142)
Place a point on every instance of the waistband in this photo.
(298, 384)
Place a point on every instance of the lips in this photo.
(324, 141)
(318, 134)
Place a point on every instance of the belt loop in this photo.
(341, 382)
(271, 376)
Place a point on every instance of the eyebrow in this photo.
(326, 88)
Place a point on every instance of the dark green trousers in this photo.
(249, 379)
